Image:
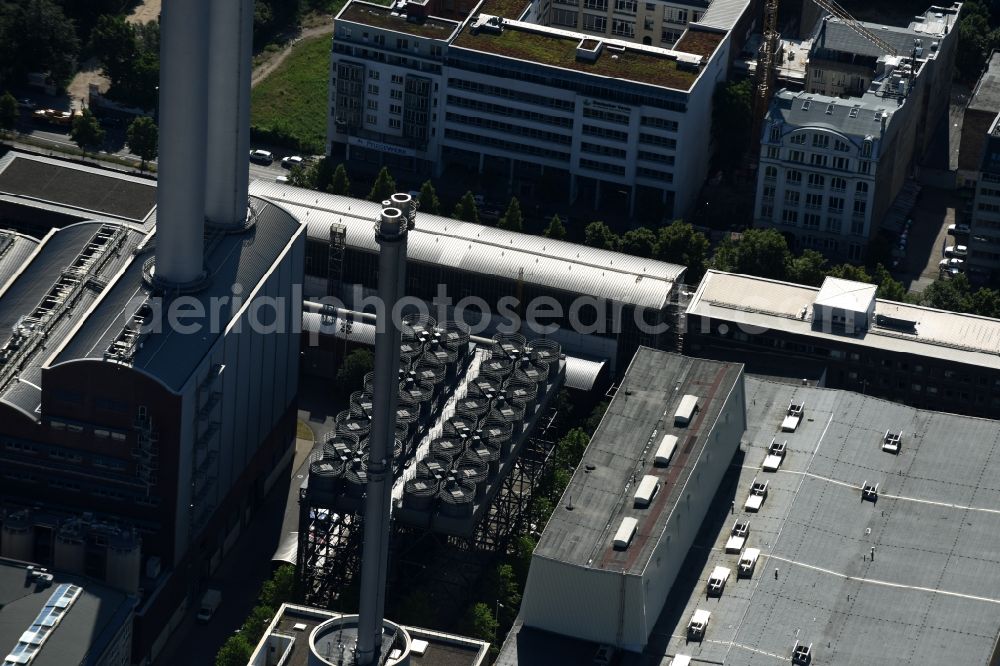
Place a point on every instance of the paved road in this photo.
(239, 576)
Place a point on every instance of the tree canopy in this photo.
(598, 234)
(556, 230)
(429, 202)
(354, 368)
(87, 133)
(383, 187)
(143, 137)
(679, 243)
(512, 219)
(761, 252)
(639, 242)
(37, 36)
(339, 182)
(466, 210)
(8, 111)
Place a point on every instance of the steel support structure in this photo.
(329, 554)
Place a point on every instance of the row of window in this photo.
(507, 93)
(510, 112)
(816, 181)
(596, 165)
(516, 130)
(812, 220)
(526, 149)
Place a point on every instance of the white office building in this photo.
(423, 89)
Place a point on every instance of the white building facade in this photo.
(423, 97)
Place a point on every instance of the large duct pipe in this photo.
(391, 235)
(180, 193)
(228, 144)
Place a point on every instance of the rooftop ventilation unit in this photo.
(748, 562)
(869, 491)
(665, 451)
(717, 581)
(891, 442)
(686, 410)
(698, 624)
(488, 24)
(758, 493)
(896, 324)
(646, 491)
(775, 456)
(793, 416)
(623, 537)
(738, 536)
(802, 654)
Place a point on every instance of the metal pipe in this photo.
(228, 144)
(180, 193)
(391, 235)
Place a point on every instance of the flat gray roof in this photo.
(774, 305)
(640, 414)
(929, 596)
(835, 35)
(986, 96)
(82, 634)
(89, 191)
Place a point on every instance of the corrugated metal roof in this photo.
(171, 356)
(12, 257)
(771, 304)
(568, 267)
(724, 14)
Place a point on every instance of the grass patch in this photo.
(289, 106)
(303, 431)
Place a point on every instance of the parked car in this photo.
(292, 161)
(954, 262)
(950, 272)
(282, 179)
(956, 251)
(265, 157)
(954, 229)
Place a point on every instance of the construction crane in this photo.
(768, 53)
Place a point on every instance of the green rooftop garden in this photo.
(561, 52)
(509, 9)
(380, 17)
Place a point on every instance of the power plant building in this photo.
(614, 545)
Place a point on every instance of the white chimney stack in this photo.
(180, 195)
(228, 144)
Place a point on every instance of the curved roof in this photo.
(568, 267)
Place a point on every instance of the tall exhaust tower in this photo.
(228, 144)
(390, 231)
(180, 194)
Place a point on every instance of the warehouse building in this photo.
(614, 545)
(845, 531)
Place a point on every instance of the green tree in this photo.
(760, 252)
(807, 268)
(235, 651)
(383, 188)
(38, 37)
(639, 242)
(357, 364)
(87, 133)
(466, 210)
(512, 219)
(679, 243)
(256, 624)
(889, 288)
(555, 230)
(143, 138)
(731, 109)
(429, 202)
(952, 294)
(113, 42)
(850, 272)
(480, 623)
(598, 234)
(339, 182)
(985, 302)
(975, 39)
(300, 176)
(8, 112)
(280, 588)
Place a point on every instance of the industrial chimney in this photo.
(228, 145)
(391, 229)
(180, 195)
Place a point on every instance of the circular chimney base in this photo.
(166, 287)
